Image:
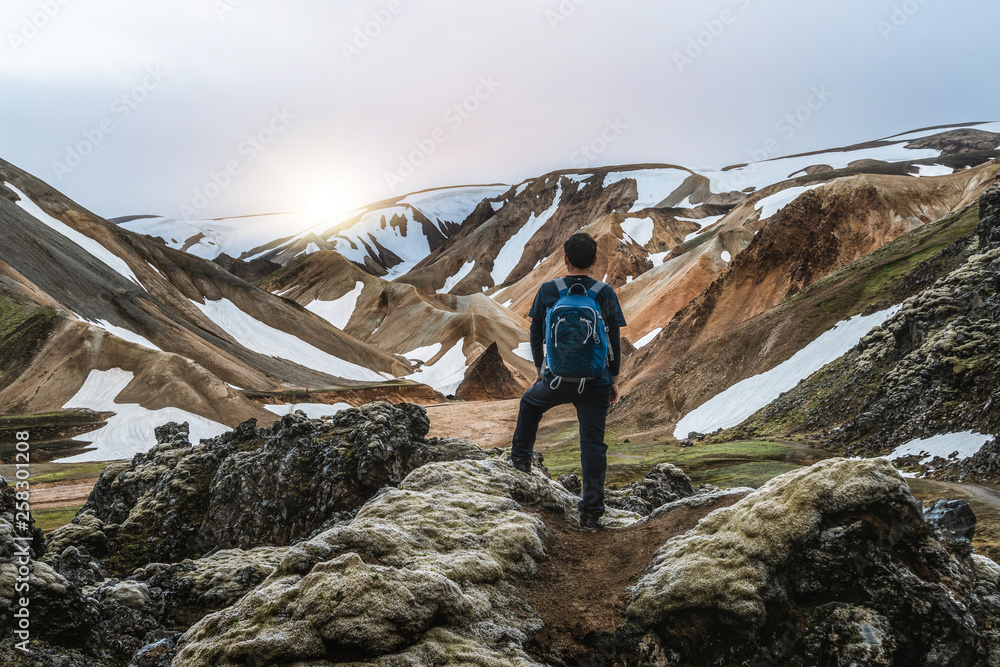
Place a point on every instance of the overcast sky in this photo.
(230, 107)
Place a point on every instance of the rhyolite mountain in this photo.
(418, 288)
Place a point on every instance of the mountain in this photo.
(921, 387)
(421, 286)
(441, 334)
(100, 317)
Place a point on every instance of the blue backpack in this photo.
(576, 338)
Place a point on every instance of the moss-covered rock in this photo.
(191, 588)
(423, 570)
(249, 487)
(830, 560)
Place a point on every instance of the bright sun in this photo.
(323, 203)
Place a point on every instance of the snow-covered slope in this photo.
(390, 237)
(210, 238)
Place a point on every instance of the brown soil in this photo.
(579, 591)
(62, 494)
(490, 424)
(393, 393)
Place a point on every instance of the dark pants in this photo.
(591, 410)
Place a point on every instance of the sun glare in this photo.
(324, 203)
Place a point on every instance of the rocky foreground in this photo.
(359, 540)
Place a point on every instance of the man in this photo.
(592, 396)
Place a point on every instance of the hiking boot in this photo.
(523, 466)
(590, 523)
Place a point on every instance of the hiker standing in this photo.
(578, 318)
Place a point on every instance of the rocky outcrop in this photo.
(252, 271)
(836, 560)
(420, 576)
(488, 378)
(67, 623)
(663, 484)
(249, 487)
(827, 565)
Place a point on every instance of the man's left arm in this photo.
(615, 341)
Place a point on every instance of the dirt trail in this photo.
(580, 590)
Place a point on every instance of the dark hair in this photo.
(581, 250)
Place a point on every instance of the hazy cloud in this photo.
(370, 84)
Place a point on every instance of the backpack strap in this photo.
(561, 286)
(596, 288)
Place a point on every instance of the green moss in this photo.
(50, 519)
(23, 329)
(628, 462)
(69, 471)
(754, 475)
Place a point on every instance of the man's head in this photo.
(581, 250)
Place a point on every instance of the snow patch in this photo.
(726, 257)
(509, 256)
(232, 236)
(933, 170)
(658, 258)
(422, 354)
(652, 185)
(452, 204)
(130, 430)
(405, 239)
(966, 444)
(125, 334)
(735, 404)
(264, 339)
(639, 230)
(648, 338)
(89, 245)
(524, 351)
(312, 410)
(768, 206)
(339, 311)
(450, 283)
(445, 374)
(759, 175)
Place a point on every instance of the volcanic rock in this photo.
(663, 484)
(251, 486)
(830, 560)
